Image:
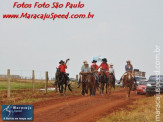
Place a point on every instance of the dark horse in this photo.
(128, 82)
(103, 82)
(61, 81)
(111, 82)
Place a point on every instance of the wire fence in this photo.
(23, 81)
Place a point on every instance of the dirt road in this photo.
(81, 108)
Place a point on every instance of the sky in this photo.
(120, 30)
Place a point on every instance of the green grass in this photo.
(141, 111)
(20, 85)
(27, 100)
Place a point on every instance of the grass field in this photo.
(143, 110)
(21, 92)
(16, 85)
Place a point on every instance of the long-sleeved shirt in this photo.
(127, 68)
(111, 70)
(85, 69)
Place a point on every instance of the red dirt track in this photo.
(81, 108)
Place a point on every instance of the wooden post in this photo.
(33, 80)
(9, 79)
(46, 82)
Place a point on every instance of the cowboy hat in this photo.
(85, 62)
(94, 61)
(104, 60)
(128, 61)
(111, 64)
(61, 62)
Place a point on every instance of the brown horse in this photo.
(103, 82)
(128, 82)
(111, 81)
(84, 81)
(92, 84)
(88, 83)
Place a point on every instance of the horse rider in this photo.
(63, 68)
(112, 72)
(104, 66)
(84, 68)
(128, 67)
(94, 68)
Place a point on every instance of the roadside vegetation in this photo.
(18, 85)
(142, 110)
(21, 92)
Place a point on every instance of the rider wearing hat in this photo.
(63, 68)
(84, 68)
(128, 67)
(104, 66)
(94, 68)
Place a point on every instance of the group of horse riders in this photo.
(94, 68)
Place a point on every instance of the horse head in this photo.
(90, 77)
(129, 75)
(84, 77)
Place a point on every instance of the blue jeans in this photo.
(79, 81)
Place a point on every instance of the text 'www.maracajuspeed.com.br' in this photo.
(45, 16)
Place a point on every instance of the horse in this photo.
(111, 83)
(95, 72)
(92, 83)
(84, 81)
(103, 82)
(128, 82)
(60, 81)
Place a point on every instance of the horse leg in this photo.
(94, 90)
(65, 90)
(69, 87)
(62, 88)
(56, 87)
(109, 89)
(83, 89)
(106, 88)
(128, 91)
(56, 90)
(86, 88)
(90, 91)
(126, 88)
(102, 88)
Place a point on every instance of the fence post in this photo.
(33, 80)
(9, 87)
(46, 82)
